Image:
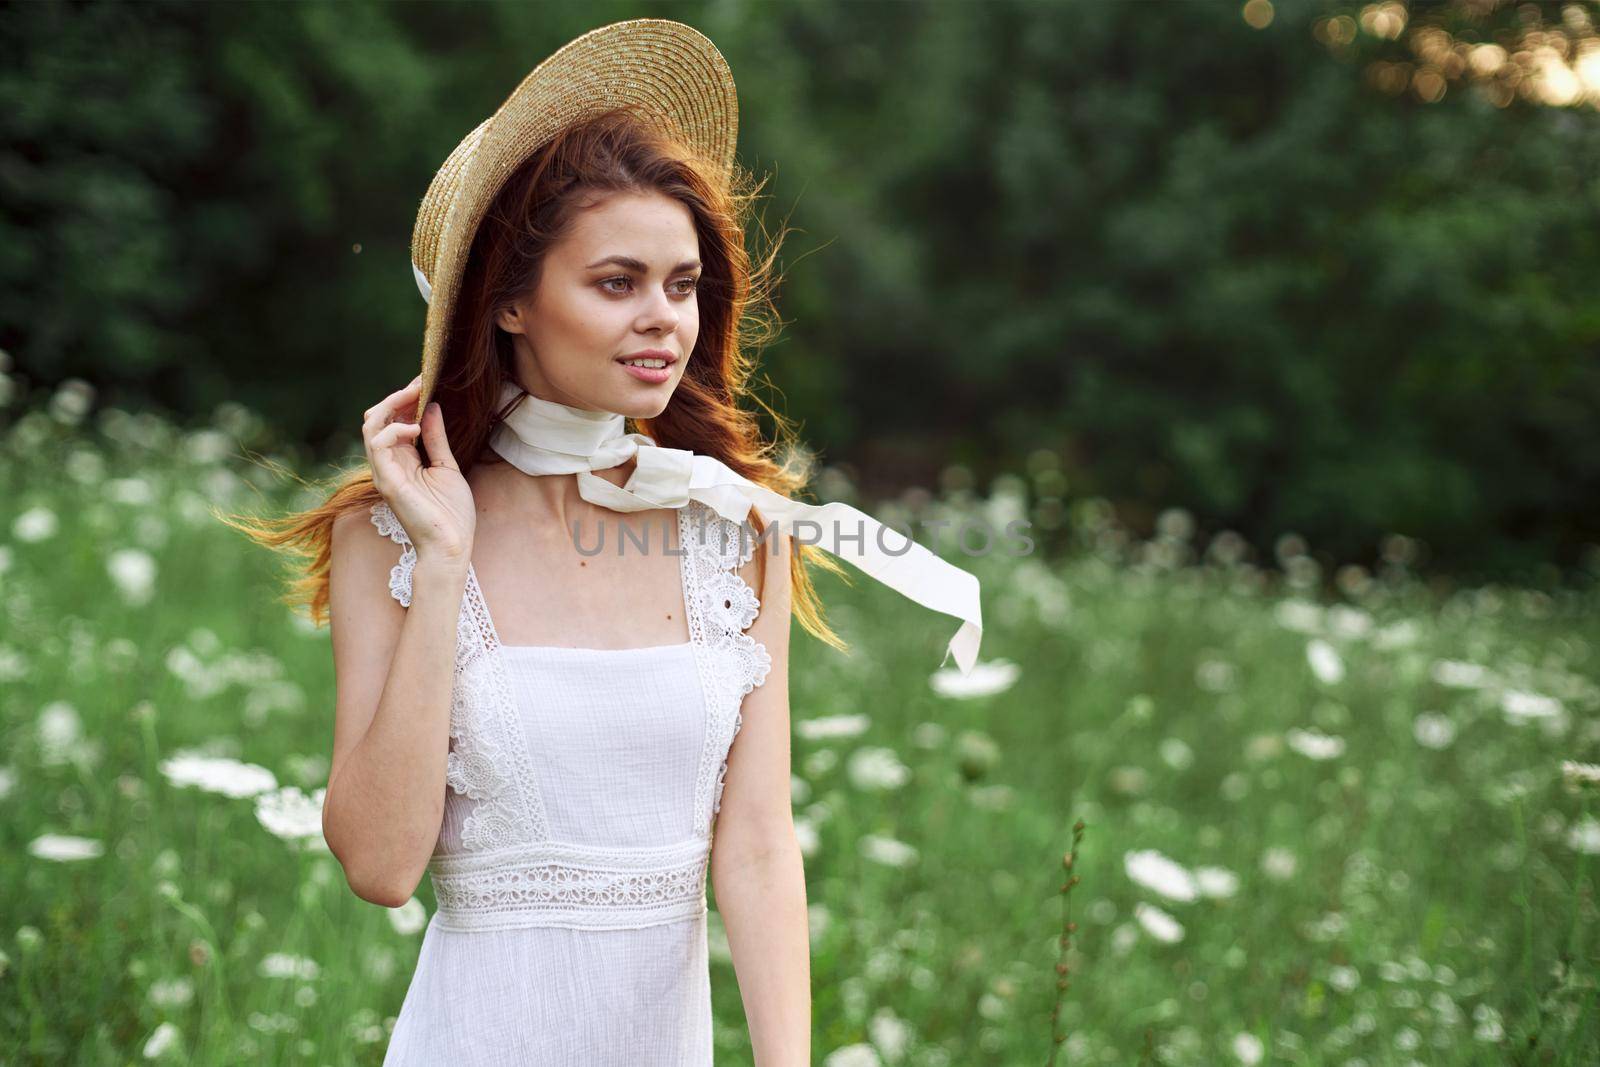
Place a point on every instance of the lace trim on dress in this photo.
(556, 884)
(487, 760)
(384, 519)
(721, 607)
(495, 747)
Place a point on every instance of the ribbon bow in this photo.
(543, 437)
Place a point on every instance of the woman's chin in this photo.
(646, 402)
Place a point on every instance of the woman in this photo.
(540, 718)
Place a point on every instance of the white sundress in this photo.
(570, 871)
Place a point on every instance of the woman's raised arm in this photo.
(394, 667)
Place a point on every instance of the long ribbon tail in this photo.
(670, 477)
(885, 554)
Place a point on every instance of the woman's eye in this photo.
(685, 285)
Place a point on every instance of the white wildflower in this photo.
(1278, 863)
(409, 918)
(290, 814)
(208, 445)
(1325, 662)
(1313, 744)
(877, 768)
(993, 797)
(136, 491)
(991, 1006)
(171, 992)
(1346, 621)
(217, 774)
(1584, 836)
(858, 1055)
(887, 851)
(1402, 634)
(820, 762)
(64, 848)
(890, 1033)
(986, 679)
(1175, 753)
(1157, 923)
(818, 920)
(60, 733)
(1301, 616)
(85, 466)
(830, 726)
(133, 571)
(1325, 928)
(805, 832)
(1175, 523)
(1160, 874)
(284, 965)
(1215, 675)
(71, 401)
(1216, 881)
(38, 523)
(163, 1040)
(1455, 674)
(1573, 772)
(1433, 730)
(1247, 1049)
(1343, 978)
(1521, 706)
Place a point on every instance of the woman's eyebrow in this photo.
(634, 264)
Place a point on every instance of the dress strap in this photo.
(721, 604)
(488, 760)
(383, 517)
(721, 607)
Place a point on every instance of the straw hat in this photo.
(670, 72)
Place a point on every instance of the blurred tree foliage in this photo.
(1206, 264)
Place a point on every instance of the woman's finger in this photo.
(433, 437)
(379, 440)
(395, 434)
(396, 406)
(391, 457)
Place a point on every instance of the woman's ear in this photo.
(509, 319)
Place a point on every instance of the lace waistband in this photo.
(554, 884)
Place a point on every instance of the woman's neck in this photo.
(499, 486)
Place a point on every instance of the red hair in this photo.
(614, 152)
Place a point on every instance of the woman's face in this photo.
(621, 285)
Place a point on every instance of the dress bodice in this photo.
(583, 784)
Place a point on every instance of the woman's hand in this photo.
(433, 503)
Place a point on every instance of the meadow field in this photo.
(1337, 818)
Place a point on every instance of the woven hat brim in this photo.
(669, 71)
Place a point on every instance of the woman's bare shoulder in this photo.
(360, 561)
(354, 535)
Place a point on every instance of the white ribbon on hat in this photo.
(544, 437)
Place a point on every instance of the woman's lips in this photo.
(653, 375)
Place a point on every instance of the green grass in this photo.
(1395, 903)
